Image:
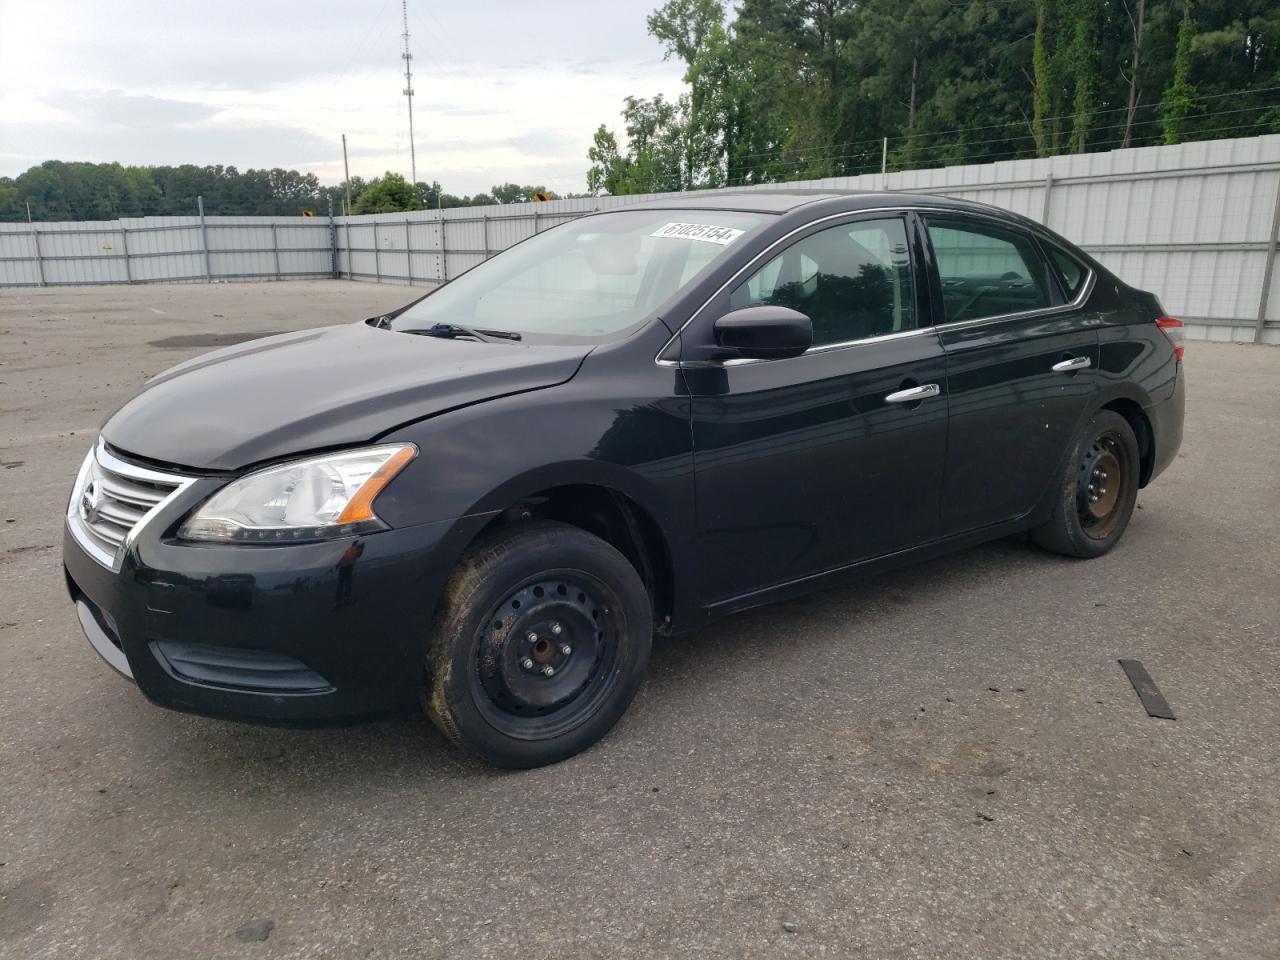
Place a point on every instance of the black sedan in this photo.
(490, 500)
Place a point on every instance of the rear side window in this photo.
(987, 271)
(853, 281)
(1071, 272)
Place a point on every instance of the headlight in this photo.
(315, 499)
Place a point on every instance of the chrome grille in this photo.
(112, 499)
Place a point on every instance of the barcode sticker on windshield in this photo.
(698, 231)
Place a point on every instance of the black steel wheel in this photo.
(1101, 481)
(541, 644)
(1098, 492)
(548, 655)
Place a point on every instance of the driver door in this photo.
(807, 464)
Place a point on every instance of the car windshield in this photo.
(591, 278)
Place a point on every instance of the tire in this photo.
(1098, 491)
(500, 683)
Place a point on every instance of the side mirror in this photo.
(764, 333)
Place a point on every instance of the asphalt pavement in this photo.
(945, 762)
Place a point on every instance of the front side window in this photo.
(987, 271)
(853, 281)
(589, 279)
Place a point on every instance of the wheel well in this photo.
(616, 519)
(1137, 418)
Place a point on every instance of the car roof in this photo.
(778, 200)
(823, 202)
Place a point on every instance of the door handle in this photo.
(914, 394)
(1072, 364)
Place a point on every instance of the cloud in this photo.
(138, 112)
(501, 94)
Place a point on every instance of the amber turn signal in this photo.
(360, 507)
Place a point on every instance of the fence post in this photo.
(1048, 195)
(333, 243)
(347, 223)
(1269, 270)
(444, 252)
(35, 237)
(408, 253)
(124, 242)
(484, 228)
(275, 249)
(377, 255)
(204, 239)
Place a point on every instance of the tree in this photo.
(1084, 61)
(516, 193)
(390, 193)
(1042, 81)
(1179, 96)
(780, 89)
(1135, 24)
(610, 171)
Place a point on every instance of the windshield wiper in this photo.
(450, 330)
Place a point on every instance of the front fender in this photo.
(481, 460)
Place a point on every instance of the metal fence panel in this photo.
(1193, 222)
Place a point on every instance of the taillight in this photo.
(1173, 330)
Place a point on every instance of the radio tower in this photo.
(408, 86)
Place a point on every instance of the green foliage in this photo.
(106, 191)
(788, 89)
(1041, 81)
(391, 193)
(512, 193)
(1179, 96)
(1084, 70)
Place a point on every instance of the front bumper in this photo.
(280, 634)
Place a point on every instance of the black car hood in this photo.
(320, 388)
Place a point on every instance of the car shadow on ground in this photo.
(406, 749)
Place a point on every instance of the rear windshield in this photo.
(591, 278)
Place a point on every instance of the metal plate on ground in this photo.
(1152, 699)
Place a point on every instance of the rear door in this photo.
(806, 464)
(1022, 357)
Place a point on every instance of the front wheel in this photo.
(541, 642)
(1098, 492)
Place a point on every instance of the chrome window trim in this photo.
(99, 451)
(821, 348)
(1085, 290)
(1075, 304)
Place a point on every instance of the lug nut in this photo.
(566, 649)
(1102, 474)
(532, 637)
(1093, 499)
(1091, 488)
(527, 663)
(548, 670)
(1103, 490)
(555, 628)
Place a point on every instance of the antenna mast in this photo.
(408, 86)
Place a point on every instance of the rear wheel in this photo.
(541, 643)
(1098, 492)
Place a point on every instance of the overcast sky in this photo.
(504, 89)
